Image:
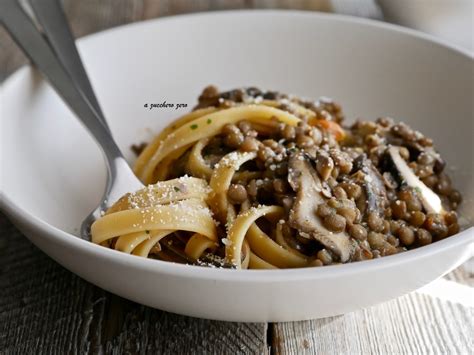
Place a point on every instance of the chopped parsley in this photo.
(209, 121)
(194, 126)
(176, 188)
(147, 232)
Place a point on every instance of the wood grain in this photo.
(423, 322)
(89, 16)
(44, 309)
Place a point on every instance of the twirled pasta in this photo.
(206, 125)
(139, 222)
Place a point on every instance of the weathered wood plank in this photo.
(89, 16)
(42, 306)
(139, 329)
(438, 319)
(45, 309)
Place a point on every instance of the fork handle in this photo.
(52, 19)
(27, 36)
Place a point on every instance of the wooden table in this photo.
(46, 309)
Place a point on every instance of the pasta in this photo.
(262, 180)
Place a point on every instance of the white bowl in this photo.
(451, 20)
(53, 173)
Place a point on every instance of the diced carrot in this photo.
(331, 127)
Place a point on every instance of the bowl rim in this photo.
(56, 235)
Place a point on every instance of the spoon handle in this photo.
(37, 48)
(55, 26)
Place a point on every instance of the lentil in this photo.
(279, 185)
(304, 141)
(411, 200)
(353, 190)
(444, 185)
(288, 132)
(385, 121)
(252, 188)
(435, 226)
(404, 153)
(358, 232)
(265, 153)
(375, 222)
(324, 210)
(455, 197)
(271, 143)
(287, 203)
(394, 226)
(334, 203)
(249, 144)
(399, 209)
(233, 135)
(316, 263)
(423, 237)
(237, 193)
(376, 240)
(451, 217)
(316, 135)
(406, 235)
(324, 166)
(348, 213)
(393, 241)
(324, 256)
(339, 192)
(334, 222)
(430, 181)
(373, 140)
(425, 159)
(417, 218)
(453, 229)
(244, 126)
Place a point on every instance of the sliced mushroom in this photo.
(307, 185)
(430, 200)
(416, 149)
(374, 198)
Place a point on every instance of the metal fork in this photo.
(54, 53)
